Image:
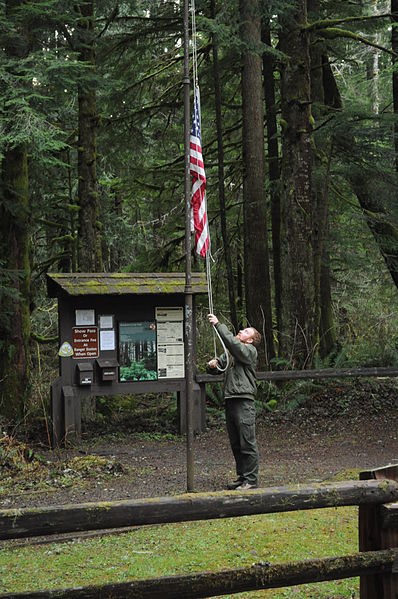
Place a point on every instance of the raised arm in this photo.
(245, 353)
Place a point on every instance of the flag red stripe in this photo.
(197, 169)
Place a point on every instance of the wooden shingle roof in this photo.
(78, 284)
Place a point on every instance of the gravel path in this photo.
(307, 445)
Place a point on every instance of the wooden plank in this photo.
(211, 584)
(18, 523)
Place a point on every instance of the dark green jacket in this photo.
(240, 378)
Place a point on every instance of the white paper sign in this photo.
(84, 318)
(105, 322)
(107, 340)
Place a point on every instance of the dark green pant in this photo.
(241, 426)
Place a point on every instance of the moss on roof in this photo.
(122, 283)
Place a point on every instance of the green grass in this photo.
(184, 548)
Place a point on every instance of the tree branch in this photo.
(41, 339)
(109, 20)
(326, 23)
(334, 32)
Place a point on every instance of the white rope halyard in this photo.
(208, 252)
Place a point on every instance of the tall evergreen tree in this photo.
(269, 66)
(221, 178)
(257, 276)
(90, 249)
(324, 329)
(394, 47)
(298, 294)
(14, 232)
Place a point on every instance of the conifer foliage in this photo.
(299, 133)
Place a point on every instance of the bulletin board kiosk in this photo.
(120, 334)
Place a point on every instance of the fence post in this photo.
(373, 535)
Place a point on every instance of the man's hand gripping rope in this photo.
(214, 363)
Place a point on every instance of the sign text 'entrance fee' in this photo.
(85, 342)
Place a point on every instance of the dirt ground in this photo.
(329, 438)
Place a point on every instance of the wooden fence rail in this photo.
(323, 373)
(211, 584)
(29, 522)
(379, 568)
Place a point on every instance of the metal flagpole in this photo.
(188, 263)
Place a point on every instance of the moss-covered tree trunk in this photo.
(15, 257)
(394, 48)
(90, 250)
(115, 253)
(318, 195)
(273, 166)
(89, 236)
(327, 328)
(324, 329)
(256, 259)
(298, 295)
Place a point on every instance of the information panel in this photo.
(85, 342)
(170, 343)
(137, 351)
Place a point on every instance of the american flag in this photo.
(198, 194)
